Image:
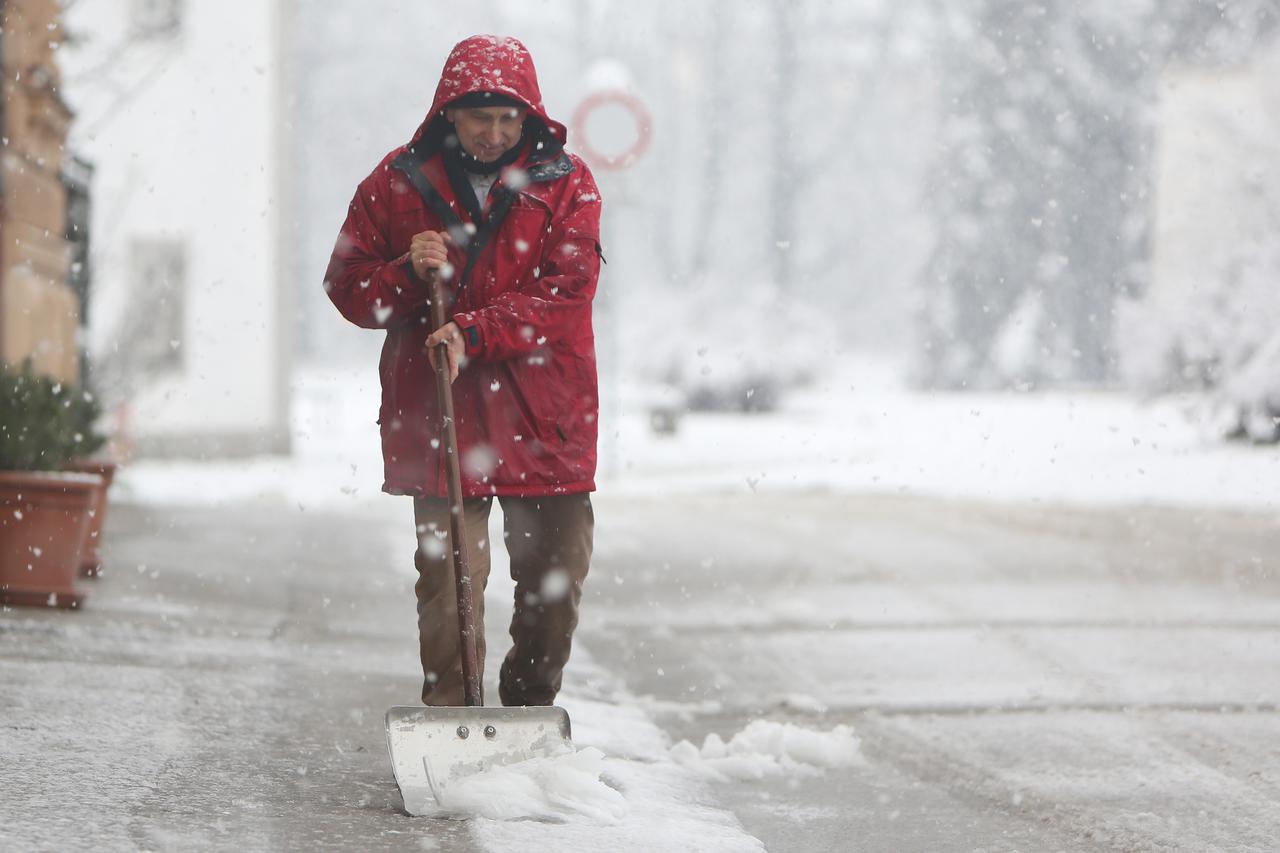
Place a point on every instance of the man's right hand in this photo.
(428, 253)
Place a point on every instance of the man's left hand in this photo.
(451, 335)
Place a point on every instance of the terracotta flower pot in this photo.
(44, 518)
(91, 565)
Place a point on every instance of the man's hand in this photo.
(428, 253)
(450, 335)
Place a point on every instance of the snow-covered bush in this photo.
(730, 348)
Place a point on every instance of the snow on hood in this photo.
(488, 63)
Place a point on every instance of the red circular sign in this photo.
(612, 97)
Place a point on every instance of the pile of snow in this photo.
(1089, 448)
(558, 788)
(667, 806)
(765, 748)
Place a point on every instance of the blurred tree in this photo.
(1041, 190)
(712, 114)
(787, 22)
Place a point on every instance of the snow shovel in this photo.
(434, 747)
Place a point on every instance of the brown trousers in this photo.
(549, 542)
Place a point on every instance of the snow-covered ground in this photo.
(858, 433)
(796, 674)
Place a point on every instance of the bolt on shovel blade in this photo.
(433, 747)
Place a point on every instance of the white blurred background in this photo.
(858, 229)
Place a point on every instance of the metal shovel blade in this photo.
(433, 747)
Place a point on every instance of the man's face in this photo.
(486, 133)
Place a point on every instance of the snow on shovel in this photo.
(433, 748)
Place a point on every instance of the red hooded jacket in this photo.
(526, 403)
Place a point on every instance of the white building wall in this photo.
(1210, 318)
(183, 130)
(1216, 180)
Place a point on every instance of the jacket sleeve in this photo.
(370, 286)
(557, 298)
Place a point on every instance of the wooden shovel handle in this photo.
(472, 686)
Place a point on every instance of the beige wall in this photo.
(38, 310)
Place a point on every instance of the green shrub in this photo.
(44, 423)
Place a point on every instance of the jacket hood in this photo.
(486, 64)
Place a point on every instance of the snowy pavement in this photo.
(224, 689)
(1009, 678)
(1019, 677)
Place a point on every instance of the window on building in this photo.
(158, 300)
(76, 177)
(157, 18)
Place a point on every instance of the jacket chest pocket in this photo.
(407, 216)
(519, 242)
